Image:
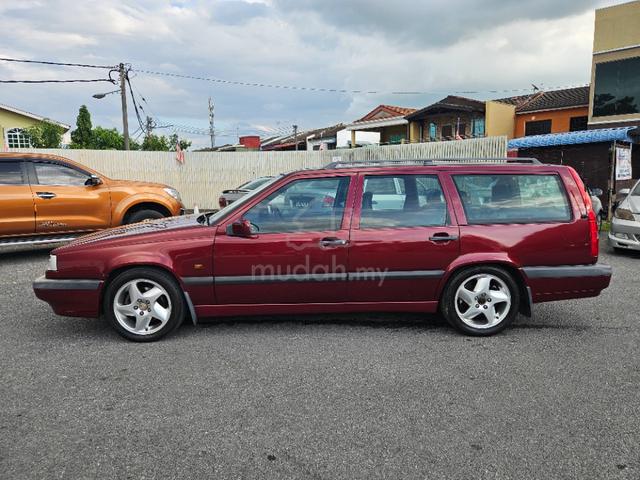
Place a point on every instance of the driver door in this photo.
(63, 201)
(297, 250)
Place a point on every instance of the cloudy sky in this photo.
(434, 47)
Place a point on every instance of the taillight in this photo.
(222, 202)
(591, 215)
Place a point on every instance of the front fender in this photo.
(125, 204)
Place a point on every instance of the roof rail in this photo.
(438, 161)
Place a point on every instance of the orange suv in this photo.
(47, 199)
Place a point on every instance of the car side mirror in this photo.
(241, 228)
(92, 181)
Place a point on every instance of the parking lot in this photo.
(332, 396)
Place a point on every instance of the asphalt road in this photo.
(322, 397)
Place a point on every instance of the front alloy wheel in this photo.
(144, 304)
(142, 307)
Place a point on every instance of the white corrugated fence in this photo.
(205, 174)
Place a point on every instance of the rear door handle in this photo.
(443, 237)
(46, 195)
(333, 242)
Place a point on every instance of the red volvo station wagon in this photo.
(478, 241)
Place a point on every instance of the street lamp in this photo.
(100, 96)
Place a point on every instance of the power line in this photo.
(62, 64)
(60, 81)
(338, 90)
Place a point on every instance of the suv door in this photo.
(399, 250)
(64, 201)
(297, 252)
(16, 200)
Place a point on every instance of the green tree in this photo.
(110, 139)
(155, 143)
(82, 136)
(45, 134)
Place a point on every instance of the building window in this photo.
(539, 127)
(447, 132)
(433, 132)
(577, 124)
(18, 138)
(478, 127)
(617, 88)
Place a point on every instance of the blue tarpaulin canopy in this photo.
(573, 138)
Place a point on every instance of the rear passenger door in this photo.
(16, 200)
(402, 242)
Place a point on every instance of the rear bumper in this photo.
(549, 283)
(70, 297)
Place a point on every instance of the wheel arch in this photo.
(136, 202)
(505, 264)
(123, 267)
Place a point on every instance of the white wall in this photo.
(366, 138)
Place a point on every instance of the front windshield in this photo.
(636, 191)
(211, 219)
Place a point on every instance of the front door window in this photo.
(303, 205)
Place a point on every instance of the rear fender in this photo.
(498, 259)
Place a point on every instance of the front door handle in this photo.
(443, 237)
(46, 195)
(333, 242)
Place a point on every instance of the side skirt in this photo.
(311, 308)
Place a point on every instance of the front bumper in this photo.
(624, 234)
(70, 297)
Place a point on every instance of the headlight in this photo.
(173, 193)
(53, 263)
(623, 214)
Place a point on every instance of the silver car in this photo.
(624, 233)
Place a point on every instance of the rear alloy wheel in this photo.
(144, 304)
(481, 300)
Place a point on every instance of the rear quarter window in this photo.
(513, 198)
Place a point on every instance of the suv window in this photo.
(11, 173)
(56, 174)
(417, 201)
(302, 205)
(513, 198)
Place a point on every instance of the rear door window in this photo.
(402, 201)
(11, 173)
(513, 198)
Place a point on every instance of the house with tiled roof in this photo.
(555, 111)
(459, 118)
(388, 120)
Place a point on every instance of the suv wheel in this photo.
(481, 300)
(144, 304)
(142, 215)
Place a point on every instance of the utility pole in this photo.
(123, 97)
(295, 136)
(212, 130)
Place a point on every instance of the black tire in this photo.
(466, 276)
(142, 215)
(146, 276)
